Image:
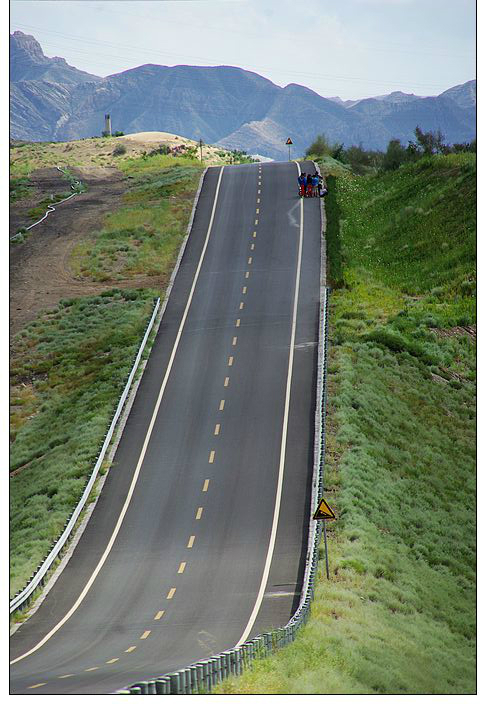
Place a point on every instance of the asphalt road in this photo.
(181, 579)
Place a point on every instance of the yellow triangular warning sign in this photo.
(289, 141)
(324, 511)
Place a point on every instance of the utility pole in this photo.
(200, 147)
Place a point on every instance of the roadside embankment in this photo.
(69, 364)
(398, 614)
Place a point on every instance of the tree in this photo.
(431, 142)
(320, 147)
(338, 152)
(395, 156)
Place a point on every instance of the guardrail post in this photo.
(219, 668)
(151, 689)
(175, 683)
(207, 676)
(187, 680)
(193, 676)
(162, 685)
(143, 686)
(269, 642)
(135, 690)
(200, 677)
(213, 671)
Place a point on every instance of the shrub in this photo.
(119, 150)
(395, 155)
(322, 147)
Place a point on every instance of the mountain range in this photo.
(237, 109)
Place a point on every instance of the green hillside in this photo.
(398, 615)
(69, 366)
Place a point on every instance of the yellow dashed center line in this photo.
(110, 662)
(171, 593)
(191, 541)
(235, 340)
(256, 221)
(217, 429)
(205, 485)
(254, 233)
(226, 381)
(92, 669)
(146, 634)
(242, 305)
(131, 649)
(258, 211)
(231, 359)
(158, 615)
(182, 567)
(199, 513)
(34, 686)
(63, 677)
(244, 290)
(221, 405)
(211, 454)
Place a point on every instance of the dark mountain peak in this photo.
(29, 63)
(20, 42)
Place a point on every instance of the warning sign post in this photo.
(289, 144)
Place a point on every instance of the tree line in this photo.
(396, 154)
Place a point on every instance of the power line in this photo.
(254, 68)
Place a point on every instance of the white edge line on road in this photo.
(276, 512)
(144, 448)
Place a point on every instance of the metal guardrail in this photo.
(202, 676)
(23, 597)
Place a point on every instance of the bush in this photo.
(395, 155)
(322, 147)
(119, 150)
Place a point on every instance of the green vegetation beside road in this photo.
(145, 235)
(69, 366)
(398, 615)
(68, 369)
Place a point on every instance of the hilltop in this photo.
(225, 105)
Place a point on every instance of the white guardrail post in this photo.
(22, 597)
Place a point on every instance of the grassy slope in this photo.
(68, 366)
(398, 615)
(144, 236)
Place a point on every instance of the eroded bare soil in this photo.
(40, 274)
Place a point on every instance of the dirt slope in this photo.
(39, 270)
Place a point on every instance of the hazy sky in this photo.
(350, 48)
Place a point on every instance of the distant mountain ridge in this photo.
(238, 109)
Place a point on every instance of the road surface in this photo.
(185, 554)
